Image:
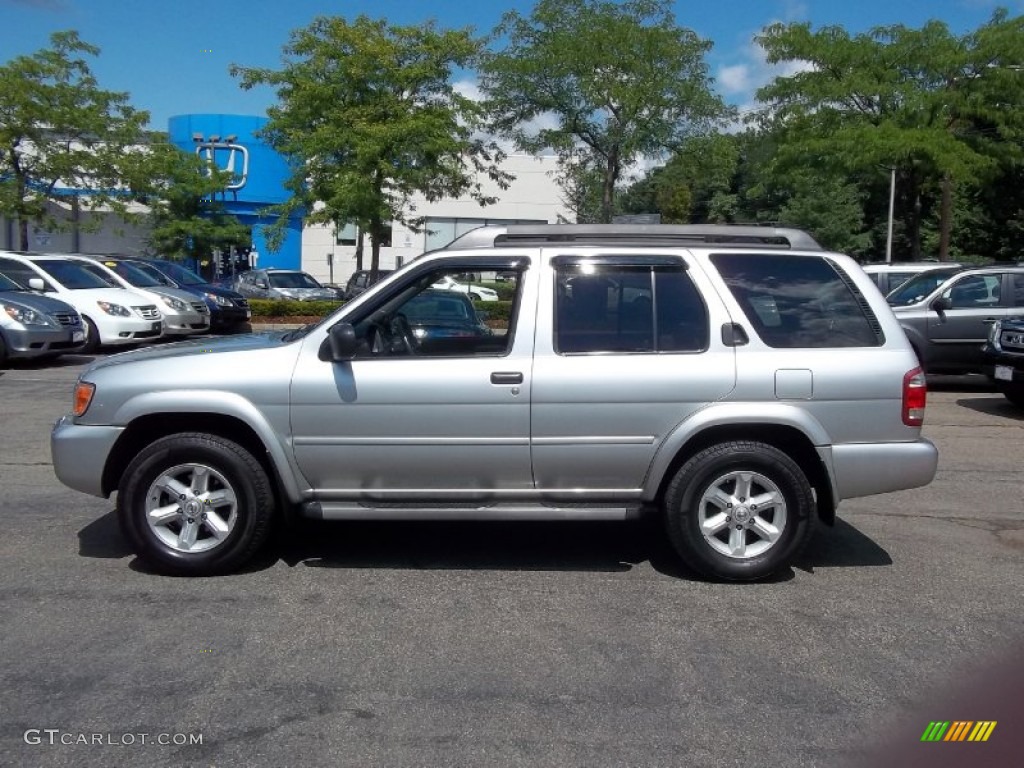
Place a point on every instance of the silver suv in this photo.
(739, 381)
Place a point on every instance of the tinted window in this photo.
(21, 273)
(423, 321)
(71, 274)
(799, 301)
(605, 308)
(292, 280)
(179, 274)
(1017, 289)
(6, 284)
(919, 287)
(153, 272)
(974, 292)
(132, 274)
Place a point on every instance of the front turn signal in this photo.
(84, 391)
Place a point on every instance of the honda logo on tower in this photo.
(227, 156)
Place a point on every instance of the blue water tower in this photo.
(259, 174)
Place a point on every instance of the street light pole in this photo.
(892, 206)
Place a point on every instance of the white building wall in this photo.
(534, 195)
(99, 232)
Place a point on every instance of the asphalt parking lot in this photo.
(513, 644)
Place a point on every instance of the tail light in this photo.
(915, 396)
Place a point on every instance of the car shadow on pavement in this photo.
(993, 406)
(64, 361)
(599, 547)
(841, 546)
(102, 539)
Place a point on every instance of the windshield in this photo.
(292, 280)
(6, 284)
(918, 287)
(154, 273)
(132, 274)
(179, 274)
(72, 275)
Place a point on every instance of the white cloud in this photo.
(749, 70)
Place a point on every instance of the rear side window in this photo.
(799, 301)
(613, 308)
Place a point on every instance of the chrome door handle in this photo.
(506, 377)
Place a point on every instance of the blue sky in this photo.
(172, 56)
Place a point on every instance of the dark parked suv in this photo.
(1004, 358)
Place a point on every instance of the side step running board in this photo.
(354, 510)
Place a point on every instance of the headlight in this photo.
(114, 309)
(993, 333)
(221, 300)
(24, 316)
(176, 304)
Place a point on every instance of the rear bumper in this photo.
(864, 469)
(80, 453)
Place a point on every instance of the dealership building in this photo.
(258, 181)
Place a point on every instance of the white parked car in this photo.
(475, 292)
(111, 315)
(183, 312)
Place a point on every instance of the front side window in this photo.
(919, 287)
(614, 308)
(799, 301)
(974, 292)
(425, 320)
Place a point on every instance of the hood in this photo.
(216, 290)
(200, 348)
(34, 301)
(174, 293)
(306, 293)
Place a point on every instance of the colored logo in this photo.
(959, 730)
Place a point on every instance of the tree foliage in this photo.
(60, 130)
(940, 108)
(369, 117)
(181, 191)
(616, 80)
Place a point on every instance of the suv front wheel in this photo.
(195, 504)
(739, 511)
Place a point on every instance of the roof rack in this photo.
(635, 234)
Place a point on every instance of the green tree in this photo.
(617, 80)
(941, 108)
(58, 130)
(368, 116)
(181, 191)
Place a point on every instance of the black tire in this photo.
(711, 467)
(92, 337)
(248, 526)
(1014, 394)
(474, 297)
(3, 352)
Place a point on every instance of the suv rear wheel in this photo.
(739, 511)
(195, 504)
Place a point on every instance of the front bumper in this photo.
(80, 454)
(227, 317)
(35, 341)
(865, 469)
(1011, 373)
(185, 323)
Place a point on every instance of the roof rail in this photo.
(634, 234)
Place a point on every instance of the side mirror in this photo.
(36, 284)
(262, 284)
(941, 304)
(340, 345)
